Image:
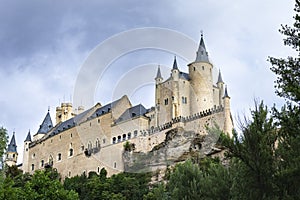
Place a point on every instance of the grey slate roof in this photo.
(184, 75)
(28, 137)
(135, 111)
(12, 147)
(175, 63)
(46, 126)
(202, 55)
(158, 75)
(220, 80)
(226, 93)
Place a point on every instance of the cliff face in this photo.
(178, 145)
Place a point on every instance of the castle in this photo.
(89, 140)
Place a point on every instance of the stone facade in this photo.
(89, 140)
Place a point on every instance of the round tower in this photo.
(25, 164)
(200, 72)
(158, 81)
(228, 124)
(220, 85)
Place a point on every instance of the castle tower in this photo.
(158, 81)
(200, 72)
(45, 127)
(27, 141)
(64, 112)
(11, 153)
(228, 124)
(220, 85)
(175, 89)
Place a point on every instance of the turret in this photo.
(158, 81)
(27, 141)
(45, 127)
(220, 85)
(228, 123)
(64, 112)
(200, 72)
(175, 70)
(11, 153)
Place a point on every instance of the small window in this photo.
(166, 101)
(172, 98)
(124, 137)
(60, 137)
(135, 133)
(26, 149)
(129, 136)
(69, 174)
(194, 68)
(51, 141)
(98, 120)
(119, 138)
(103, 141)
(33, 155)
(202, 67)
(98, 169)
(32, 167)
(90, 123)
(114, 140)
(115, 165)
(71, 152)
(42, 163)
(71, 135)
(59, 156)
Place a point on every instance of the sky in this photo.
(45, 44)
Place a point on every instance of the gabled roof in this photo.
(135, 111)
(202, 55)
(28, 137)
(46, 126)
(12, 147)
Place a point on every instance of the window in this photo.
(50, 160)
(51, 141)
(172, 98)
(98, 120)
(115, 165)
(124, 137)
(60, 137)
(194, 68)
(202, 67)
(166, 101)
(71, 152)
(184, 100)
(59, 156)
(119, 138)
(129, 136)
(135, 133)
(69, 174)
(98, 169)
(114, 140)
(71, 135)
(103, 141)
(33, 155)
(32, 167)
(42, 163)
(90, 123)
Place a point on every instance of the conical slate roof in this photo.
(220, 80)
(202, 55)
(158, 75)
(175, 63)
(12, 147)
(47, 125)
(226, 93)
(28, 138)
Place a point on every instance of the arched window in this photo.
(50, 160)
(59, 156)
(135, 133)
(119, 138)
(129, 136)
(42, 163)
(124, 137)
(114, 140)
(71, 152)
(32, 167)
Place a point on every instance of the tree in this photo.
(253, 157)
(288, 120)
(3, 144)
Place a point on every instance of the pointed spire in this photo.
(175, 63)
(12, 147)
(226, 93)
(220, 80)
(202, 55)
(158, 75)
(28, 138)
(46, 125)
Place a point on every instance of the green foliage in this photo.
(3, 144)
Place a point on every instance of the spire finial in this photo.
(220, 80)
(201, 33)
(226, 93)
(175, 63)
(48, 108)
